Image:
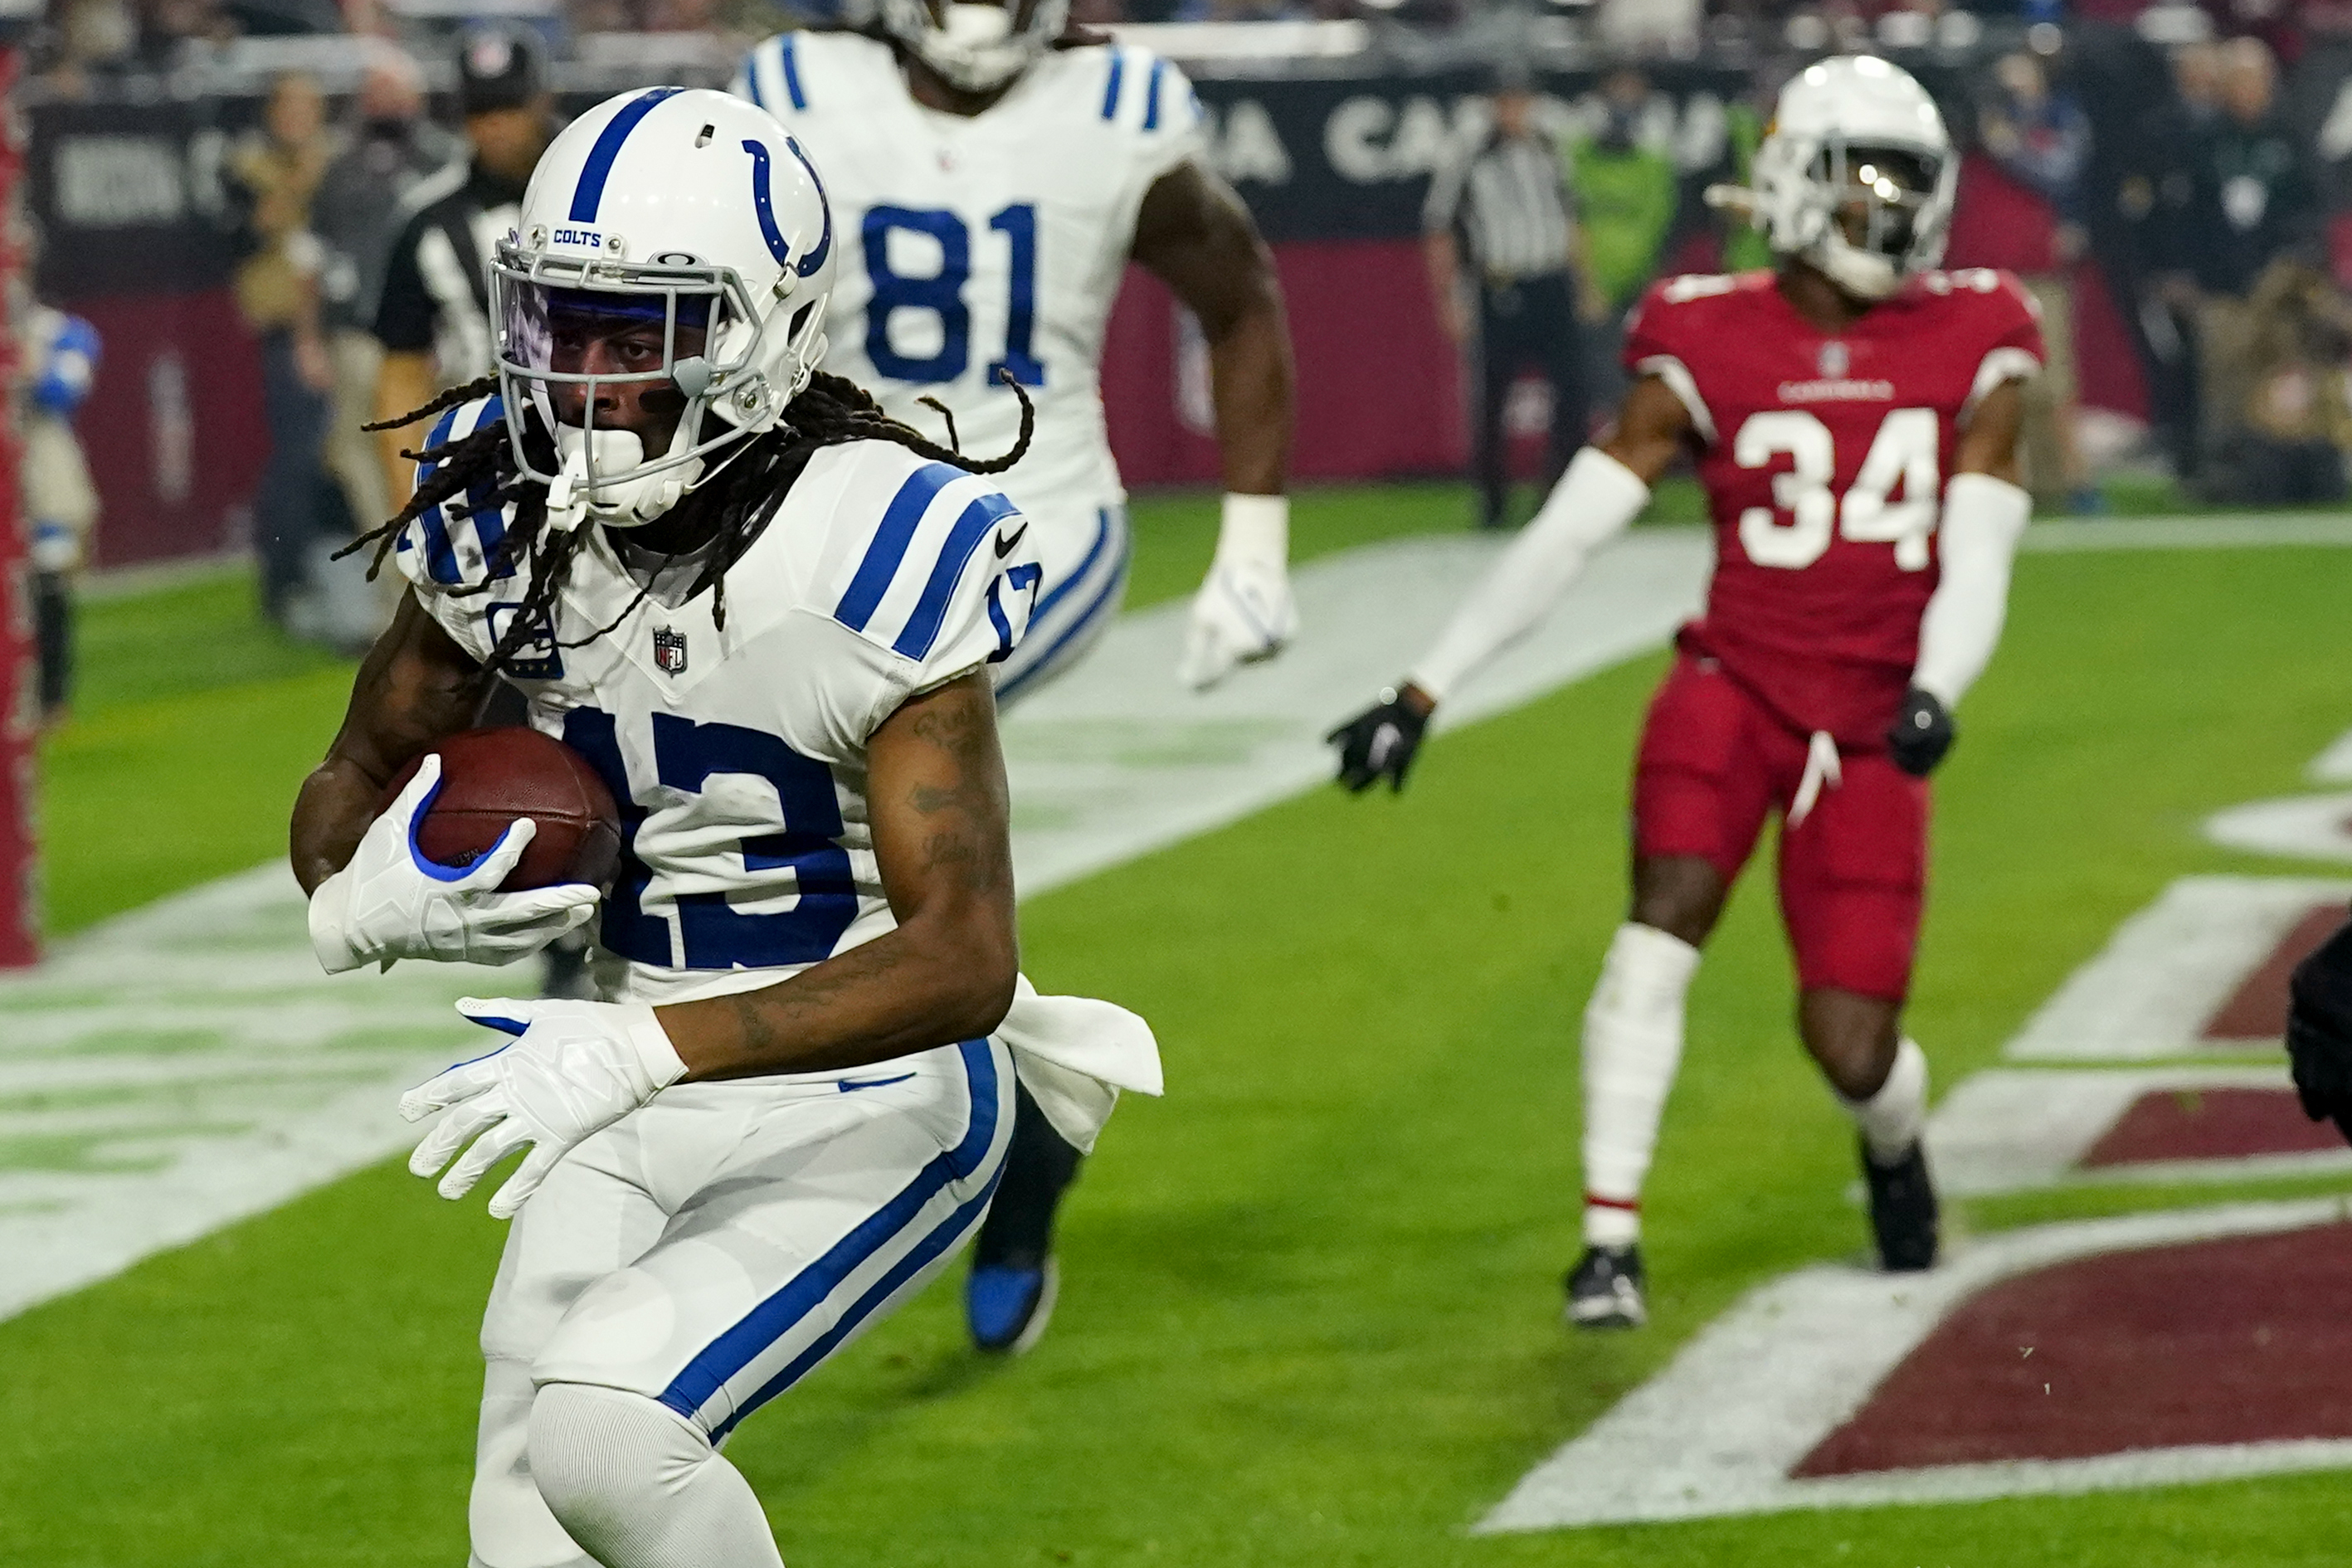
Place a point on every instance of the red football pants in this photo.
(1715, 761)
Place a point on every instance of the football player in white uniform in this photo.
(767, 614)
(993, 172)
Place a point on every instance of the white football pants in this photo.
(1085, 556)
(709, 1251)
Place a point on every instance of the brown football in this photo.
(490, 777)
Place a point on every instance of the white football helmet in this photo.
(977, 45)
(1856, 138)
(673, 254)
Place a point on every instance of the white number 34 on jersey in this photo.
(1902, 455)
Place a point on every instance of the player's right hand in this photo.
(391, 902)
(2319, 1031)
(1379, 742)
(1922, 732)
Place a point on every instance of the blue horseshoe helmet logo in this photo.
(760, 165)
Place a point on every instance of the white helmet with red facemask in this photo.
(661, 299)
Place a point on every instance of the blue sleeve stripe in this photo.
(489, 518)
(978, 521)
(751, 77)
(1111, 94)
(1151, 95)
(440, 559)
(792, 75)
(590, 192)
(889, 548)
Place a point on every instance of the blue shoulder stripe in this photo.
(978, 519)
(590, 192)
(1111, 93)
(751, 76)
(888, 547)
(488, 516)
(790, 55)
(1152, 103)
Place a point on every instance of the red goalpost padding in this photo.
(20, 703)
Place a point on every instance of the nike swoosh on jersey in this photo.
(1006, 547)
(848, 1086)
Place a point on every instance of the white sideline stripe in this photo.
(2334, 765)
(2169, 968)
(2301, 827)
(186, 1065)
(2010, 1131)
(2234, 531)
(1719, 1429)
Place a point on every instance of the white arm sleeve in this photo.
(1597, 500)
(1983, 516)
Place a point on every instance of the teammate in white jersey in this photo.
(993, 172)
(767, 614)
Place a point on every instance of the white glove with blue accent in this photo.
(391, 902)
(573, 1069)
(1242, 612)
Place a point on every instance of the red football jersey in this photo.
(1825, 456)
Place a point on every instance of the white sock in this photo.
(1632, 1044)
(505, 1516)
(639, 1486)
(1892, 1119)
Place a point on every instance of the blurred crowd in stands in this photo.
(2167, 172)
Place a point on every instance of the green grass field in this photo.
(1309, 1308)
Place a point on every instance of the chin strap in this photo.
(578, 497)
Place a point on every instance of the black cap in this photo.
(499, 68)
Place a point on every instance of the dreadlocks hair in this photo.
(830, 411)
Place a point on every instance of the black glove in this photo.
(2319, 1031)
(1378, 743)
(1922, 732)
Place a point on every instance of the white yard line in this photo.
(2011, 1130)
(2169, 969)
(1718, 1431)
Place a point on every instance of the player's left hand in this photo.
(2319, 1031)
(1922, 732)
(573, 1069)
(1242, 613)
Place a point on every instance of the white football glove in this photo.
(573, 1069)
(1242, 612)
(391, 902)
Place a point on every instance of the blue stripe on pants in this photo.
(727, 1356)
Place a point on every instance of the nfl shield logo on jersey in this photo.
(669, 650)
(1834, 362)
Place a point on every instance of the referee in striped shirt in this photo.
(1500, 217)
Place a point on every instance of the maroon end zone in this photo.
(2218, 1123)
(2257, 1009)
(2243, 1339)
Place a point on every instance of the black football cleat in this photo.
(1902, 1210)
(1604, 1290)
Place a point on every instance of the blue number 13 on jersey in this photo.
(713, 934)
(942, 293)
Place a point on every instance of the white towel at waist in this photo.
(1075, 1053)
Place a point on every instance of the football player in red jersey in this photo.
(1853, 415)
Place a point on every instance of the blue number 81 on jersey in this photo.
(712, 933)
(942, 293)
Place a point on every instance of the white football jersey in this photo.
(737, 757)
(975, 242)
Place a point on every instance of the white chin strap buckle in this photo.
(584, 493)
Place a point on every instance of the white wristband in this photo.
(1255, 529)
(662, 1064)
